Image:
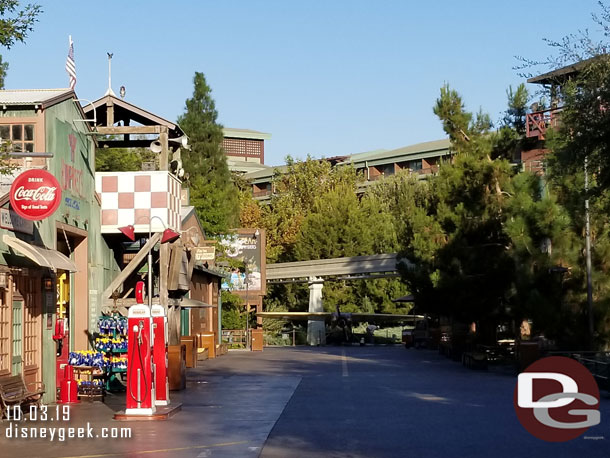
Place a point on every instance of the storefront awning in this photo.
(52, 259)
(194, 303)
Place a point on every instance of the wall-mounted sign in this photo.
(204, 253)
(35, 194)
(12, 221)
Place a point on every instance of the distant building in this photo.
(543, 118)
(245, 149)
(422, 159)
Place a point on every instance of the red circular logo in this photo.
(35, 194)
(557, 399)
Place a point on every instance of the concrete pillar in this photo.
(316, 331)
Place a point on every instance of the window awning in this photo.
(44, 257)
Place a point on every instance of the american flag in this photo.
(70, 65)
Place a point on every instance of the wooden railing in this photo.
(262, 193)
(537, 123)
(234, 336)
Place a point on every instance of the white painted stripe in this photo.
(344, 370)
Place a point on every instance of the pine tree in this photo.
(212, 192)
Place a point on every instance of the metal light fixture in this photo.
(48, 284)
(129, 232)
(168, 236)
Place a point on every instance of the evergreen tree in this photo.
(476, 237)
(212, 192)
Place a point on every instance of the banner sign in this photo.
(35, 194)
(246, 246)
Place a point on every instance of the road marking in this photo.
(165, 450)
(344, 371)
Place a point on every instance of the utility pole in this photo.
(588, 258)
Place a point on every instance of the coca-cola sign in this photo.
(35, 194)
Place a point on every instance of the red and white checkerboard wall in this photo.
(136, 197)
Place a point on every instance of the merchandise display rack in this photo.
(102, 369)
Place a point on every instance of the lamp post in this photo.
(588, 259)
(169, 235)
(247, 311)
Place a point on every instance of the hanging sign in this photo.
(35, 194)
(205, 253)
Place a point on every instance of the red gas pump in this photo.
(140, 376)
(160, 355)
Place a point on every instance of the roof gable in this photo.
(125, 111)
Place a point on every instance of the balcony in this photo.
(428, 170)
(261, 193)
(538, 122)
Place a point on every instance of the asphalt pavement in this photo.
(321, 402)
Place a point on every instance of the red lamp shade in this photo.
(169, 236)
(129, 231)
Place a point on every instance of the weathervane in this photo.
(110, 91)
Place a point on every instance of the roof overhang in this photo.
(187, 302)
(562, 74)
(44, 257)
(245, 133)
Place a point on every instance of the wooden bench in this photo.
(15, 392)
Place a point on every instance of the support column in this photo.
(316, 330)
(163, 158)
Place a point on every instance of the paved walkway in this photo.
(322, 402)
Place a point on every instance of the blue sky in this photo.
(324, 78)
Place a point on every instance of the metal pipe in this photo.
(139, 390)
(21, 154)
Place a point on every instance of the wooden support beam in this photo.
(109, 113)
(175, 265)
(121, 130)
(163, 269)
(127, 302)
(133, 264)
(124, 144)
(163, 158)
